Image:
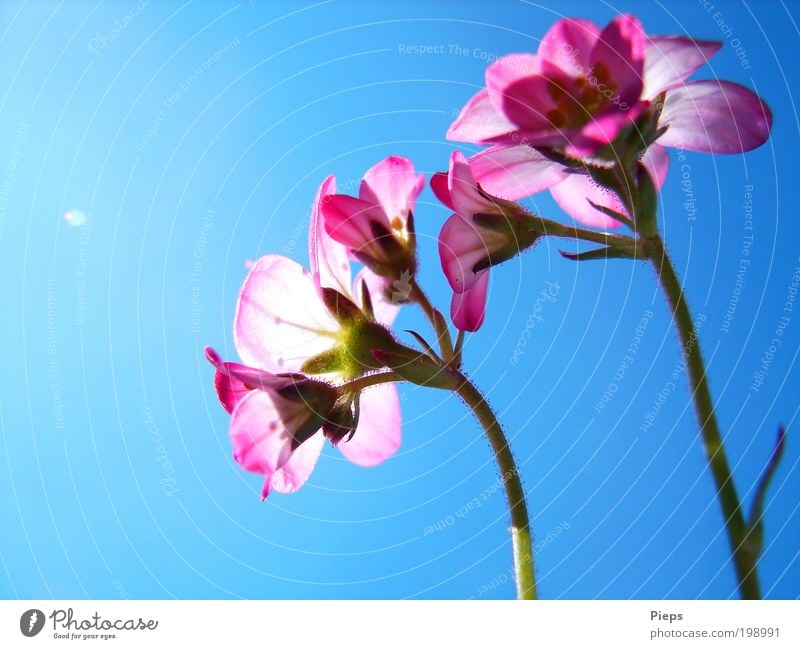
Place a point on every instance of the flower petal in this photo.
(715, 117)
(392, 184)
(330, 265)
(378, 433)
(460, 249)
(292, 475)
(479, 121)
(258, 432)
(573, 196)
(440, 188)
(569, 43)
(620, 50)
(669, 60)
(467, 309)
(464, 193)
(514, 172)
(280, 320)
(382, 291)
(233, 381)
(347, 220)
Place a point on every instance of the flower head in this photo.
(599, 96)
(377, 228)
(483, 231)
(302, 336)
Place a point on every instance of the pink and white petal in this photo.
(379, 431)
(509, 71)
(468, 309)
(233, 381)
(527, 102)
(280, 321)
(670, 60)
(293, 475)
(513, 172)
(621, 50)
(569, 43)
(464, 193)
(347, 219)
(715, 117)
(656, 159)
(479, 121)
(439, 182)
(572, 195)
(460, 249)
(394, 185)
(380, 291)
(258, 432)
(330, 265)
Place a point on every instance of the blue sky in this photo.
(191, 137)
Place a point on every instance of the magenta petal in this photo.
(233, 381)
(377, 436)
(440, 189)
(347, 220)
(330, 265)
(715, 117)
(467, 309)
(672, 59)
(260, 440)
(526, 101)
(569, 43)
(280, 320)
(621, 50)
(460, 249)
(466, 198)
(479, 121)
(514, 172)
(572, 195)
(292, 475)
(381, 292)
(392, 184)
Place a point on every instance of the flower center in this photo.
(578, 99)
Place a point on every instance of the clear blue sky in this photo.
(192, 137)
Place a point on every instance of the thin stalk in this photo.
(515, 494)
(744, 561)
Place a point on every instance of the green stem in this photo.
(556, 229)
(515, 494)
(434, 317)
(744, 561)
(368, 380)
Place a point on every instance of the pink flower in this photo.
(523, 109)
(282, 325)
(519, 171)
(584, 87)
(377, 227)
(482, 231)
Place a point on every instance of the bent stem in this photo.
(515, 494)
(744, 561)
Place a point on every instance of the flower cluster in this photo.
(587, 117)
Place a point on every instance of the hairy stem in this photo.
(744, 561)
(515, 494)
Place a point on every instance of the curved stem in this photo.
(515, 494)
(356, 385)
(744, 561)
